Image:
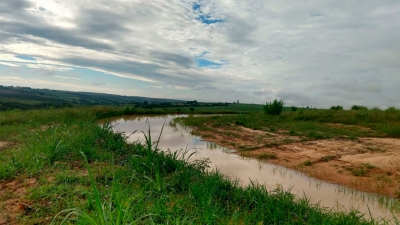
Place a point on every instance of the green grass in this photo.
(119, 183)
(362, 170)
(307, 163)
(267, 156)
(313, 124)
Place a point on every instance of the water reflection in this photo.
(247, 170)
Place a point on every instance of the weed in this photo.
(338, 107)
(360, 171)
(273, 108)
(327, 158)
(359, 107)
(307, 163)
(267, 156)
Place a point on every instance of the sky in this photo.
(307, 53)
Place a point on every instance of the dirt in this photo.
(367, 164)
(4, 145)
(12, 200)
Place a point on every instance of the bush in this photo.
(293, 108)
(359, 107)
(274, 108)
(338, 107)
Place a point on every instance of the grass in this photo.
(361, 171)
(87, 174)
(313, 123)
(267, 156)
(307, 163)
(327, 158)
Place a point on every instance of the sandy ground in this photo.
(367, 164)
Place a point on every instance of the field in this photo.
(30, 98)
(357, 148)
(60, 166)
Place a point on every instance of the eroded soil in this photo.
(367, 164)
(12, 199)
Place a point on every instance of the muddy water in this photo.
(176, 137)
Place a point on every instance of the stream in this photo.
(246, 170)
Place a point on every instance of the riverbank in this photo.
(358, 156)
(44, 176)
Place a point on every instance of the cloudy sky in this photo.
(311, 53)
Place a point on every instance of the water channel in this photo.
(176, 137)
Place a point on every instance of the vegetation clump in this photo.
(361, 170)
(274, 107)
(337, 107)
(359, 107)
(267, 156)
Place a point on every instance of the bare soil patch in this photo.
(367, 164)
(12, 199)
(4, 145)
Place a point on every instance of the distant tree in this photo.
(293, 108)
(359, 107)
(337, 107)
(274, 108)
(391, 108)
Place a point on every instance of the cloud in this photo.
(317, 53)
(65, 77)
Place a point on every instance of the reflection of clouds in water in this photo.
(176, 137)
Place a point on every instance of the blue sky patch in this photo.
(207, 20)
(26, 57)
(207, 63)
(196, 6)
(204, 18)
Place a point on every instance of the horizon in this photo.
(315, 54)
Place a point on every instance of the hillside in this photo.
(27, 98)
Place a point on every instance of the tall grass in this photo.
(168, 188)
(274, 108)
(120, 183)
(313, 123)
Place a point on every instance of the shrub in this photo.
(293, 108)
(338, 107)
(273, 108)
(359, 107)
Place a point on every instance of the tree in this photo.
(274, 108)
(337, 107)
(359, 107)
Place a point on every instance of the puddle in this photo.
(176, 137)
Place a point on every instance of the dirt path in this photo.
(367, 164)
